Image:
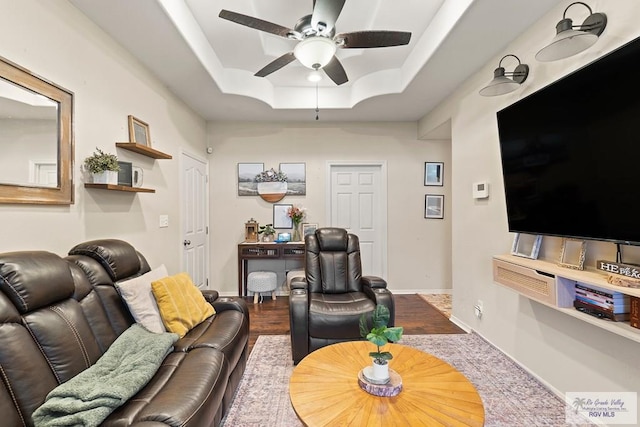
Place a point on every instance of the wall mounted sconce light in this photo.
(501, 82)
(571, 39)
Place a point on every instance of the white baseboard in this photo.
(461, 324)
(525, 368)
(421, 291)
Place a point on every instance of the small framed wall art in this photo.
(434, 206)
(281, 218)
(434, 174)
(139, 132)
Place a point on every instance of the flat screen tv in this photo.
(571, 153)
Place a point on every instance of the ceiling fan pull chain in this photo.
(317, 108)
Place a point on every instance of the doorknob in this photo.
(186, 242)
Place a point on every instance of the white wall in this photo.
(418, 248)
(568, 354)
(54, 40)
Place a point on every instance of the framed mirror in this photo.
(572, 254)
(36, 138)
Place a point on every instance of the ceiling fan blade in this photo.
(258, 24)
(366, 39)
(325, 14)
(275, 65)
(335, 71)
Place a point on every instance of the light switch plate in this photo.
(164, 221)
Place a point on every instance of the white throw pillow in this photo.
(142, 304)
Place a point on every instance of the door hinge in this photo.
(207, 229)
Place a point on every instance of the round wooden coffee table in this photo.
(324, 390)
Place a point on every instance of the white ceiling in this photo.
(210, 62)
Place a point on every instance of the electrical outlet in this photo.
(478, 309)
(164, 221)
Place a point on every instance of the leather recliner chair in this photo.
(325, 306)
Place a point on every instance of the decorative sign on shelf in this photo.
(627, 270)
(626, 275)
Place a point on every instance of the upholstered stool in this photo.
(262, 281)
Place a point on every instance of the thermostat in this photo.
(480, 190)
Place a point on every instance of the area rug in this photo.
(511, 397)
(442, 302)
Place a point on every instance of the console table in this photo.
(249, 251)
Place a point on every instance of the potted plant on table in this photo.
(267, 232)
(103, 167)
(379, 334)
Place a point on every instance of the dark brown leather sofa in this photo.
(325, 306)
(59, 315)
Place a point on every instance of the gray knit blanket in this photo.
(89, 397)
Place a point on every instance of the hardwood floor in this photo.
(412, 312)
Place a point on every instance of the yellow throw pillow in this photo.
(182, 306)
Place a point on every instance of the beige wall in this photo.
(568, 354)
(52, 39)
(418, 249)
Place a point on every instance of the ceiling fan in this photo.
(318, 40)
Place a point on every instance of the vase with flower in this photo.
(297, 214)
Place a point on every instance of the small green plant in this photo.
(379, 334)
(100, 161)
(267, 230)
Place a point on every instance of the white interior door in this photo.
(358, 203)
(195, 219)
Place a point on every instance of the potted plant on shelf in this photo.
(379, 334)
(103, 167)
(272, 185)
(267, 232)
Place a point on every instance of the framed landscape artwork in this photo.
(247, 185)
(433, 173)
(296, 178)
(434, 206)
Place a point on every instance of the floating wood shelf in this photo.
(120, 188)
(143, 149)
(554, 286)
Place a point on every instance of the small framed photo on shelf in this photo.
(280, 216)
(139, 132)
(308, 228)
(526, 245)
(434, 174)
(572, 253)
(434, 206)
(283, 237)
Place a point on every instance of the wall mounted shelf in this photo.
(554, 286)
(120, 188)
(143, 149)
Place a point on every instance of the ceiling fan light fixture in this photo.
(314, 76)
(315, 52)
